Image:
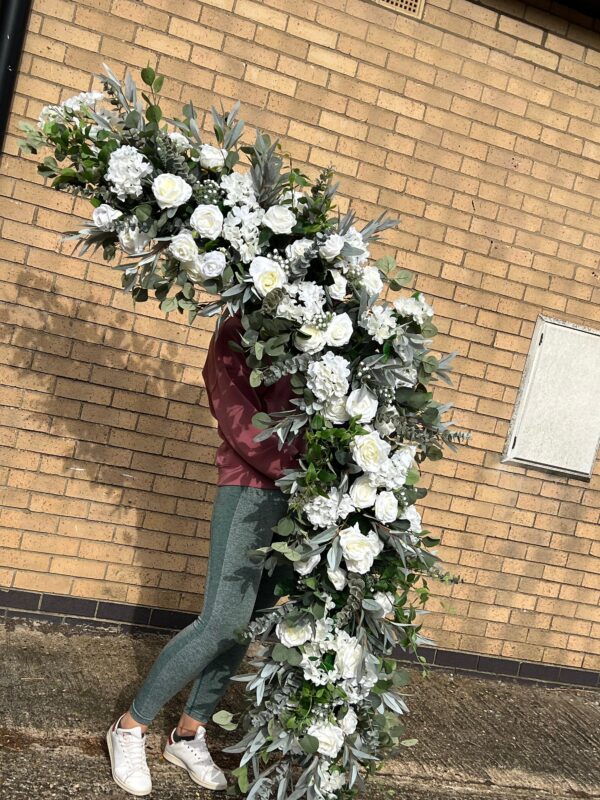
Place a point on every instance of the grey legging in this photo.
(206, 652)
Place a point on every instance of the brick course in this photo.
(479, 125)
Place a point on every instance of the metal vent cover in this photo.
(412, 8)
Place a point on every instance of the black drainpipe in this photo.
(14, 15)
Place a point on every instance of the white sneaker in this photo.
(193, 755)
(127, 750)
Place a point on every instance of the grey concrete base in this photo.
(479, 739)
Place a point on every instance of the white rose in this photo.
(349, 722)
(314, 343)
(371, 280)
(359, 549)
(294, 635)
(335, 411)
(337, 290)
(386, 507)
(183, 247)
(170, 190)
(298, 249)
(207, 265)
(332, 247)
(180, 141)
(413, 516)
(363, 494)
(266, 275)
(104, 217)
(212, 157)
(339, 330)
(349, 655)
(133, 240)
(337, 577)
(331, 738)
(207, 221)
(306, 567)
(279, 219)
(362, 403)
(369, 451)
(386, 601)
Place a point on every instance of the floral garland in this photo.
(266, 245)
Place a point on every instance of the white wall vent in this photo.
(556, 422)
(412, 8)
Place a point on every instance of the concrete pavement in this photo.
(479, 738)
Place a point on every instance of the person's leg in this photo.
(242, 521)
(211, 684)
(223, 511)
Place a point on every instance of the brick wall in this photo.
(480, 126)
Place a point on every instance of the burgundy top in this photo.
(233, 402)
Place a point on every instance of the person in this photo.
(206, 653)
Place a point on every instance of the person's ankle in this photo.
(187, 730)
(126, 722)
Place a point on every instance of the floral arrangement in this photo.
(263, 242)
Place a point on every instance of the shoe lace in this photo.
(135, 753)
(200, 751)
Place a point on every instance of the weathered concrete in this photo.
(479, 739)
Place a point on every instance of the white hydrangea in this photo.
(73, 104)
(239, 189)
(328, 377)
(126, 169)
(391, 473)
(87, 99)
(323, 511)
(380, 322)
(330, 782)
(303, 302)
(415, 307)
(241, 229)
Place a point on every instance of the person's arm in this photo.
(234, 402)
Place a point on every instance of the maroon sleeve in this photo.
(234, 402)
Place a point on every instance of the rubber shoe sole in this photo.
(118, 781)
(179, 763)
